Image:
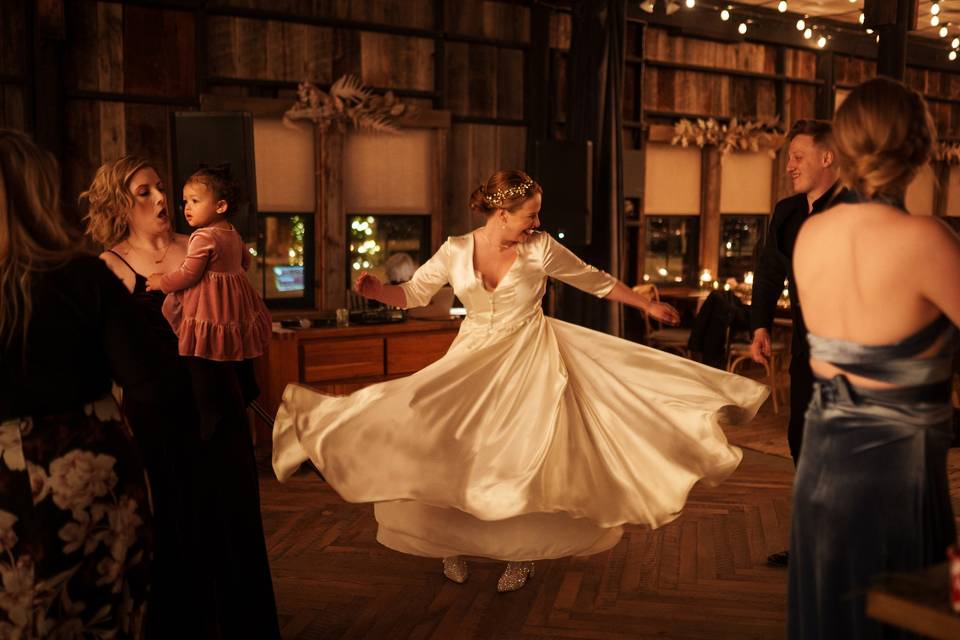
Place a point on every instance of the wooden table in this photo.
(341, 360)
(918, 601)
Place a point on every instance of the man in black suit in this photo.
(812, 171)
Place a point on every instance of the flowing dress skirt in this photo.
(534, 442)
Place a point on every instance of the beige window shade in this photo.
(953, 191)
(284, 158)
(921, 191)
(672, 182)
(384, 172)
(745, 182)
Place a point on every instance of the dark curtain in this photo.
(595, 89)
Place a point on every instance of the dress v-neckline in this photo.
(476, 272)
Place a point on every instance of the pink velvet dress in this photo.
(212, 307)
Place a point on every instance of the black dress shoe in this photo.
(779, 559)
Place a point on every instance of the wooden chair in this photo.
(672, 339)
(738, 352)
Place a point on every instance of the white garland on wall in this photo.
(737, 135)
(348, 103)
(948, 152)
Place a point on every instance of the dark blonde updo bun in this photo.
(505, 189)
(884, 134)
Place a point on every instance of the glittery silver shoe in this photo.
(455, 568)
(514, 576)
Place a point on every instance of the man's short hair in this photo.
(820, 130)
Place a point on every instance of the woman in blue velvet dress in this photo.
(879, 292)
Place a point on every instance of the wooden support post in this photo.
(710, 210)
(891, 19)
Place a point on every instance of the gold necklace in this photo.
(165, 251)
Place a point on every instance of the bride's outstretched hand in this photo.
(368, 286)
(664, 313)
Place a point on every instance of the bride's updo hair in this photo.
(505, 189)
(884, 134)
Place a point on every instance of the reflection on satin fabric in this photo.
(532, 438)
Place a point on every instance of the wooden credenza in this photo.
(342, 360)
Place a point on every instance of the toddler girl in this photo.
(217, 315)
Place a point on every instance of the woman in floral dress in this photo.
(75, 521)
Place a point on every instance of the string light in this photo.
(782, 7)
(955, 44)
(691, 4)
(725, 15)
(944, 31)
(934, 21)
(801, 25)
(807, 33)
(742, 28)
(952, 55)
(822, 42)
(861, 18)
(935, 9)
(869, 31)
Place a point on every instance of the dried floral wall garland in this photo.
(348, 103)
(948, 152)
(738, 135)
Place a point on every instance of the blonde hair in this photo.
(505, 189)
(884, 134)
(109, 199)
(34, 236)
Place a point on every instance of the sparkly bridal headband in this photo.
(506, 194)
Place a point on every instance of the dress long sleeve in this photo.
(199, 252)
(562, 264)
(428, 279)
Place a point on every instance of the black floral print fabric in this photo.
(75, 526)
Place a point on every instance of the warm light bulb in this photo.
(935, 9)
(934, 21)
(821, 42)
(782, 7)
(808, 33)
(691, 4)
(801, 25)
(952, 55)
(724, 15)
(869, 31)
(742, 28)
(955, 43)
(861, 18)
(943, 31)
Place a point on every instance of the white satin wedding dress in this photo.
(531, 438)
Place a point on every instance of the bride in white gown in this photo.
(531, 438)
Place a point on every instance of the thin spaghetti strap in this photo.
(123, 261)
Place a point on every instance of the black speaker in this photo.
(565, 171)
(207, 138)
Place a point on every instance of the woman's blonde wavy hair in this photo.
(109, 199)
(34, 236)
(884, 135)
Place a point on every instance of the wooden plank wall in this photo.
(942, 90)
(129, 66)
(13, 71)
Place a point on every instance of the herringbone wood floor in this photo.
(702, 576)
